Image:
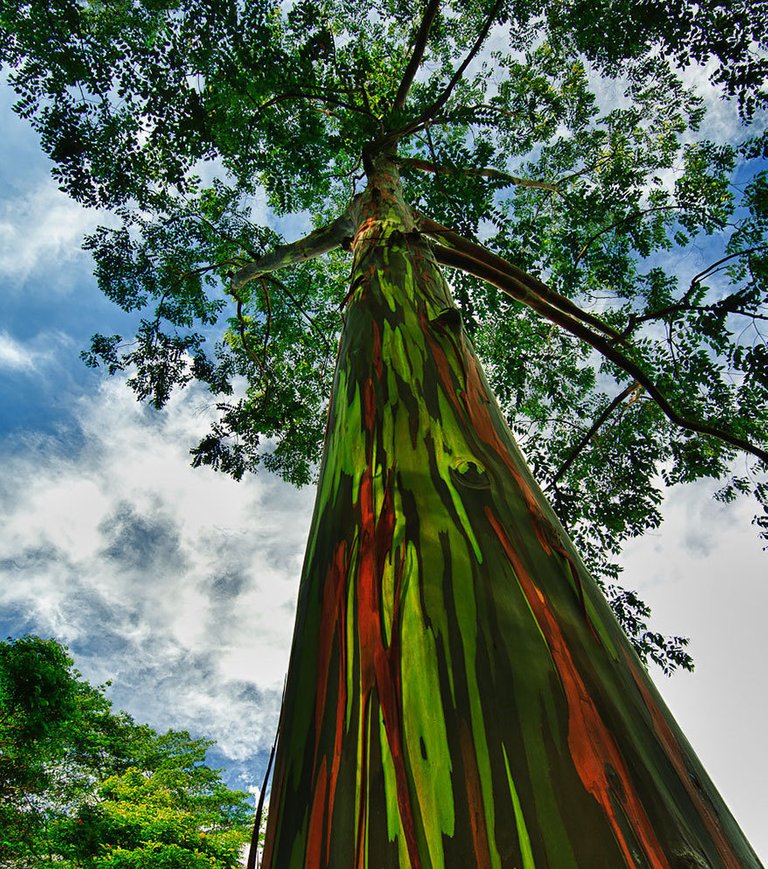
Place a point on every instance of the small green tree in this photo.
(43, 707)
(82, 786)
(165, 818)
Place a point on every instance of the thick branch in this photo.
(528, 287)
(625, 393)
(446, 94)
(315, 244)
(487, 172)
(418, 53)
(502, 280)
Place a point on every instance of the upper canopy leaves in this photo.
(129, 96)
(560, 133)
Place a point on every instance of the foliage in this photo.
(569, 146)
(83, 786)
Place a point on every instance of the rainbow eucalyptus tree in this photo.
(509, 178)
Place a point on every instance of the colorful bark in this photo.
(459, 693)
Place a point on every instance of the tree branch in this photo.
(446, 94)
(252, 355)
(308, 317)
(577, 326)
(684, 303)
(487, 172)
(321, 241)
(528, 289)
(629, 218)
(625, 393)
(697, 279)
(418, 53)
(319, 97)
(428, 115)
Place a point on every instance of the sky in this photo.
(179, 585)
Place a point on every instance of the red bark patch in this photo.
(377, 364)
(591, 744)
(474, 798)
(379, 665)
(331, 623)
(316, 816)
(369, 409)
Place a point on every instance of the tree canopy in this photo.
(83, 786)
(625, 342)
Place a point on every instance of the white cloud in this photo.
(704, 575)
(30, 357)
(41, 232)
(15, 355)
(177, 584)
(721, 122)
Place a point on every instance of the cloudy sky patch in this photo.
(177, 584)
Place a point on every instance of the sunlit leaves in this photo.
(134, 99)
(88, 787)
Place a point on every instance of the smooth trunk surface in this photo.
(459, 692)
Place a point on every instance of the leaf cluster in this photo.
(560, 135)
(86, 787)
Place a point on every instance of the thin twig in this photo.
(629, 218)
(320, 97)
(633, 387)
(245, 342)
(311, 320)
(417, 55)
(684, 305)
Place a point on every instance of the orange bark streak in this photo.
(316, 816)
(474, 799)
(333, 596)
(591, 744)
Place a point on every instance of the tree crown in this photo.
(561, 137)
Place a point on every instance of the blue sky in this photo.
(179, 585)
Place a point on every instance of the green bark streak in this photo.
(522, 831)
(459, 693)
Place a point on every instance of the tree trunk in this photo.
(459, 693)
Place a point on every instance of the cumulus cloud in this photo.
(41, 230)
(179, 585)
